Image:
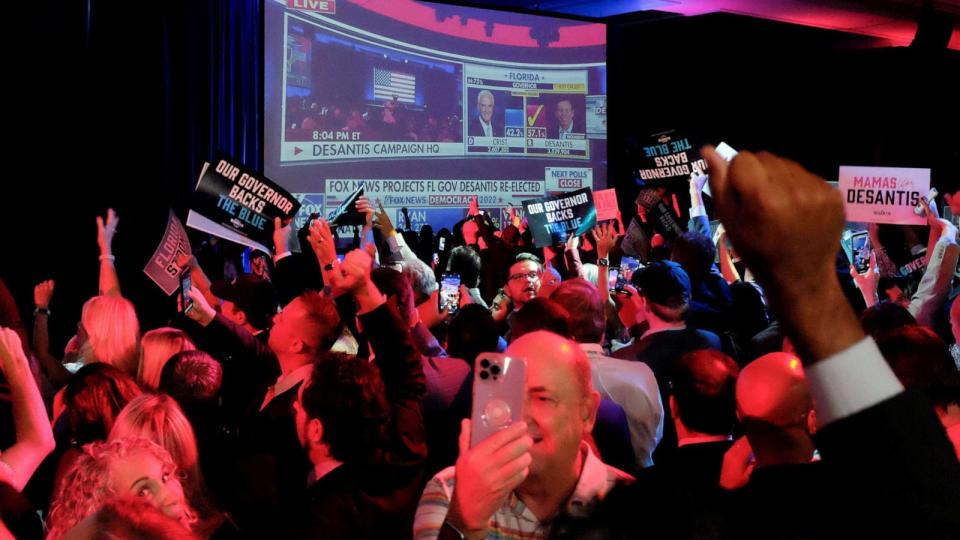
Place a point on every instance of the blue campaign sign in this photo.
(553, 219)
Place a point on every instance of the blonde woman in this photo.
(159, 419)
(156, 347)
(110, 333)
(115, 469)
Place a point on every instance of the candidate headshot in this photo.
(485, 122)
(563, 113)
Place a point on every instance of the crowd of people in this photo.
(316, 397)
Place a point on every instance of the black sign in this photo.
(552, 220)
(347, 213)
(239, 205)
(667, 156)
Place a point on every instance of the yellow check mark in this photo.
(531, 120)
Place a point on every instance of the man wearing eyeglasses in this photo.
(523, 284)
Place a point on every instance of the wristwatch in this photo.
(603, 261)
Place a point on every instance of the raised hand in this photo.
(868, 282)
(106, 230)
(382, 221)
(486, 475)
(321, 240)
(605, 238)
(284, 237)
(42, 294)
(785, 223)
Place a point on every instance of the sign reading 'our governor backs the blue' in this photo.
(666, 157)
(240, 205)
(552, 220)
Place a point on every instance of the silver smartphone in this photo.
(499, 393)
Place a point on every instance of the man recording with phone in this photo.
(513, 483)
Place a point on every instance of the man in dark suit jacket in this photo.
(889, 460)
(485, 124)
(665, 289)
(362, 426)
(564, 114)
(270, 467)
(448, 380)
(703, 410)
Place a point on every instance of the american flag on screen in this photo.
(387, 84)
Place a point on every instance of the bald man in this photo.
(776, 410)
(787, 490)
(512, 483)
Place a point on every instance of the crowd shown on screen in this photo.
(390, 120)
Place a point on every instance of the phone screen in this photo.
(860, 247)
(449, 296)
(185, 285)
(627, 266)
(613, 275)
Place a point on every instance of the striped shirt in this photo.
(513, 520)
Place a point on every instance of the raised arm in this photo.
(887, 448)
(884, 265)
(942, 256)
(698, 211)
(289, 275)
(868, 282)
(325, 249)
(34, 435)
(395, 241)
(198, 277)
(605, 238)
(571, 256)
(794, 260)
(42, 294)
(233, 340)
(106, 230)
(727, 268)
(396, 356)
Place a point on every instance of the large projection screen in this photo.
(430, 104)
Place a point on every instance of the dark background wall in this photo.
(110, 104)
(820, 97)
(116, 104)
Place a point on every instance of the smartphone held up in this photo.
(499, 393)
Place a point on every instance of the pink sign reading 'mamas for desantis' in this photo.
(884, 194)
